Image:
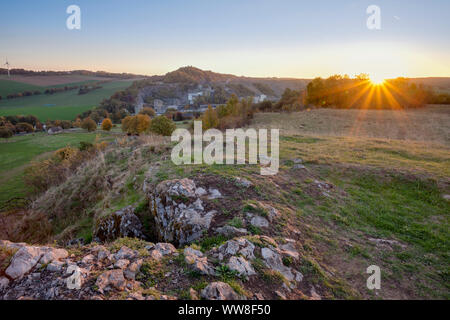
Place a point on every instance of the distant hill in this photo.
(102, 74)
(273, 87)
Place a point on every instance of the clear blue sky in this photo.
(285, 38)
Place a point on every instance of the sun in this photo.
(376, 80)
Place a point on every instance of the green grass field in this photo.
(61, 106)
(17, 152)
(9, 86)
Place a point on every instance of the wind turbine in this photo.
(7, 66)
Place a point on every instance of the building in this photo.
(260, 98)
(192, 96)
(158, 105)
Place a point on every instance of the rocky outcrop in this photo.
(122, 223)
(180, 216)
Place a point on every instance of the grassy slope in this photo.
(18, 151)
(63, 106)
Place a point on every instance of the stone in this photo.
(111, 279)
(280, 295)
(242, 266)
(259, 222)
(200, 192)
(193, 294)
(198, 261)
(125, 253)
(289, 249)
(23, 261)
(298, 166)
(121, 263)
(133, 269)
(274, 261)
(297, 160)
(237, 246)
(180, 217)
(242, 182)
(89, 259)
(4, 283)
(122, 223)
(165, 248)
(55, 266)
(231, 231)
(214, 194)
(52, 254)
(446, 197)
(219, 291)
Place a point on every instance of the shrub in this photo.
(89, 125)
(6, 132)
(24, 127)
(163, 126)
(148, 111)
(106, 124)
(210, 119)
(136, 124)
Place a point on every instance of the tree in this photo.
(106, 124)
(163, 126)
(89, 125)
(210, 119)
(148, 111)
(136, 124)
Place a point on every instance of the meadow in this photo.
(19, 151)
(59, 106)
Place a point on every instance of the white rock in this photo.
(219, 291)
(23, 261)
(259, 222)
(242, 266)
(214, 194)
(4, 283)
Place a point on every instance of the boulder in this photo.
(240, 246)
(273, 260)
(125, 253)
(242, 266)
(23, 261)
(231, 231)
(133, 269)
(4, 283)
(198, 261)
(180, 217)
(259, 222)
(122, 223)
(219, 291)
(111, 279)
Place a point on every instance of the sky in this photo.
(260, 38)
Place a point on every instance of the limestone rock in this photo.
(231, 231)
(259, 222)
(219, 291)
(198, 261)
(122, 223)
(125, 253)
(180, 217)
(23, 261)
(239, 246)
(111, 279)
(242, 266)
(133, 269)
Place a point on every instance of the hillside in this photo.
(344, 198)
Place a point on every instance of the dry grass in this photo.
(430, 124)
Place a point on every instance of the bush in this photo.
(24, 127)
(162, 125)
(148, 111)
(106, 124)
(136, 124)
(5, 132)
(89, 125)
